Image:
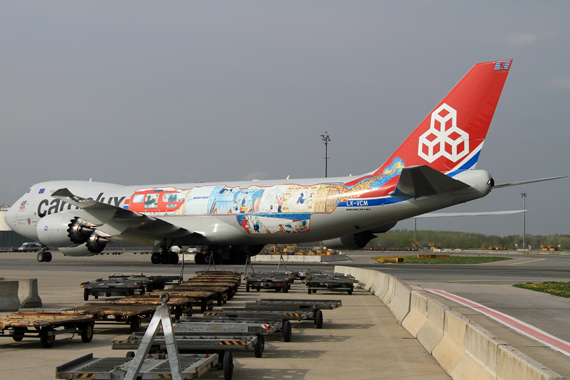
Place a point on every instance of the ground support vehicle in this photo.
(132, 314)
(154, 367)
(280, 281)
(46, 326)
(330, 281)
(263, 326)
(203, 299)
(313, 304)
(233, 285)
(178, 304)
(199, 342)
(150, 282)
(286, 315)
(112, 288)
(222, 293)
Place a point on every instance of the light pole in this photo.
(523, 195)
(326, 140)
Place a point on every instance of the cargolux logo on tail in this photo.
(443, 138)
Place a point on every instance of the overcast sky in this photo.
(139, 92)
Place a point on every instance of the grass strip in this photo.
(409, 259)
(560, 289)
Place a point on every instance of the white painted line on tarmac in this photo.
(515, 324)
(526, 262)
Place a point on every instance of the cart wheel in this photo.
(309, 290)
(258, 348)
(96, 296)
(220, 299)
(247, 287)
(45, 339)
(18, 334)
(130, 354)
(149, 287)
(86, 294)
(87, 333)
(314, 291)
(258, 289)
(228, 366)
(349, 292)
(319, 319)
(135, 324)
(286, 288)
(287, 331)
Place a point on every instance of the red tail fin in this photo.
(451, 137)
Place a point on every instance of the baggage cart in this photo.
(154, 367)
(289, 315)
(263, 326)
(131, 314)
(328, 281)
(46, 326)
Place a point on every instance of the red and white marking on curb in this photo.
(517, 325)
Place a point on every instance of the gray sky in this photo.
(138, 92)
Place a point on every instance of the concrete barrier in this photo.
(399, 304)
(432, 332)
(513, 365)
(462, 348)
(28, 293)
(417, 317)
(9, 296)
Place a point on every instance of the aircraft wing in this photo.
(525, 182)
(418, 181)
(482, 213)
(116, 220)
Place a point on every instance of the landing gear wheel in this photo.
(87, 333)
(46, 339)
(47, 257)
(199, 258)
(174, 258)
(41, 257)
(287, 333)
(228, 365)
(319, 319)
(155, 258)
(165, 257)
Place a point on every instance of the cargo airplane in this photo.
(434, 168)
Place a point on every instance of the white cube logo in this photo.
(443, 137)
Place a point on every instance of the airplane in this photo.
(434, 168)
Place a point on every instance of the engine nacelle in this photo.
(80, 250)
(61, 230)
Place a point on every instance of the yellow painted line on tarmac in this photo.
(526, 262)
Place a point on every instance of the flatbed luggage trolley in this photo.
(111, 288)
(155, 367)
(278, 281)
(327, 281)
(46, 326)
(286, 315)
(132, 314)
(264, 326)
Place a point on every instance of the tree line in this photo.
(466, 240)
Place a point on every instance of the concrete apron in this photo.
(464, 349)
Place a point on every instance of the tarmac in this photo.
(360, 340)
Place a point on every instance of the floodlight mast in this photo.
(326, 140)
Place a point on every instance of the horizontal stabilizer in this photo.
(482, 213)
(525, 182)
(419, 181)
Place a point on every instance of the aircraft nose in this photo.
(10, 217)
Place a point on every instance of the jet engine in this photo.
(63, 230)
(80, 250)
(358, 240)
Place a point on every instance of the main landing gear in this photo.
(166, 256)
(43, 256)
